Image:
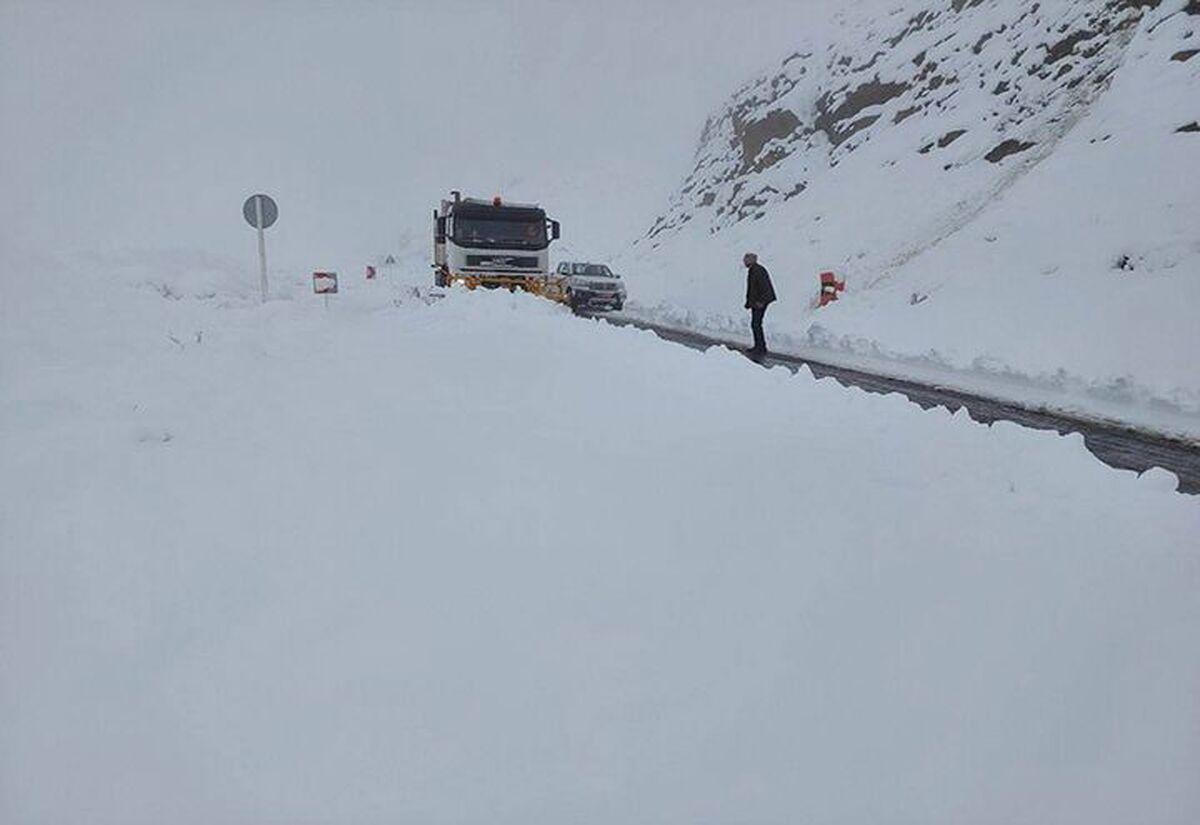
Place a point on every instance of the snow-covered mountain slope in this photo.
(478, 561)
(1008, 188)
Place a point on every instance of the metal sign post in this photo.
(262, 248)
(261, 213)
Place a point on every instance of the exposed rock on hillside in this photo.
(1000, 82)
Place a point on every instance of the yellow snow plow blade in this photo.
(554, 289)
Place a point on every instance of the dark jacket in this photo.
(759, 291)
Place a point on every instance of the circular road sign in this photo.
(270, 212)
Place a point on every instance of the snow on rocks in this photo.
(1001, 185)
(474, 559)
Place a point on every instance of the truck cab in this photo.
(494, 244)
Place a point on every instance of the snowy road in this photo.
(1115, 445)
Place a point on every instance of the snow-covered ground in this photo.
(1065, 274)
(410, 558)
(475, 560)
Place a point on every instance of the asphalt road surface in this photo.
(1115, 445)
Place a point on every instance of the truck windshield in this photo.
(492, 232)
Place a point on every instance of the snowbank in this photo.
(474, 560)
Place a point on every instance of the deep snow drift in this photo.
(474, 560)
(1008, 188)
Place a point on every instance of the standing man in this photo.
(759, 293)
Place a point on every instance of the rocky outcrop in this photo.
(984, 83)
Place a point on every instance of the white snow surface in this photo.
(1066, 275)
(473, 560)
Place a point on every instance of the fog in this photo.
(145, 125)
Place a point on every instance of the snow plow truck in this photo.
(495, 244)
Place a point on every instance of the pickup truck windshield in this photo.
(492, 232)
(593, 270)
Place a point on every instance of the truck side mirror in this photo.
(554, 230)
(439, 228)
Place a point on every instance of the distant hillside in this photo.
(964, 84)
(968, 165)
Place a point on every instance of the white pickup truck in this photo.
(591, 286)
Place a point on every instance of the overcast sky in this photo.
(126, 125)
